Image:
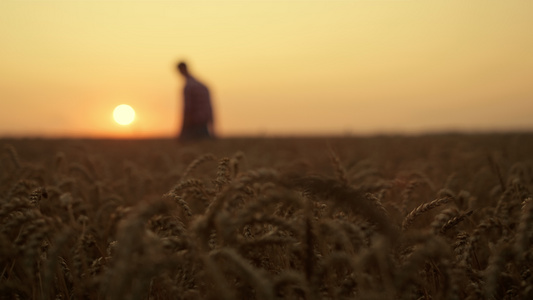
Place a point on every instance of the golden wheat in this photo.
(273, 219)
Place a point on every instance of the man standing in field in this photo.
(197, 109)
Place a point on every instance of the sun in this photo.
(124, 114)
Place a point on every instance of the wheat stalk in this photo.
(255, 277)
(195, 163)
(421, 209)
(13, 155)
(454, 221)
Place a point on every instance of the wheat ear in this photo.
(409, 219)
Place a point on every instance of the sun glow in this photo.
(124, 114)
(365, 67)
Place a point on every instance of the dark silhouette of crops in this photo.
(429, 217)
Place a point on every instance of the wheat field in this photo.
(383, 217)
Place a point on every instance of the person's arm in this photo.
(188, 103)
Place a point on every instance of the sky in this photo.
(273, 67)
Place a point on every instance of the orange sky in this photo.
(274, 67)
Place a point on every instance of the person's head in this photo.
(182, 68)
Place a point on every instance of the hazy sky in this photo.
(274, 67)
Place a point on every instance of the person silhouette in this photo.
(197, 109)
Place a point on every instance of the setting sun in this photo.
(124, 114)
